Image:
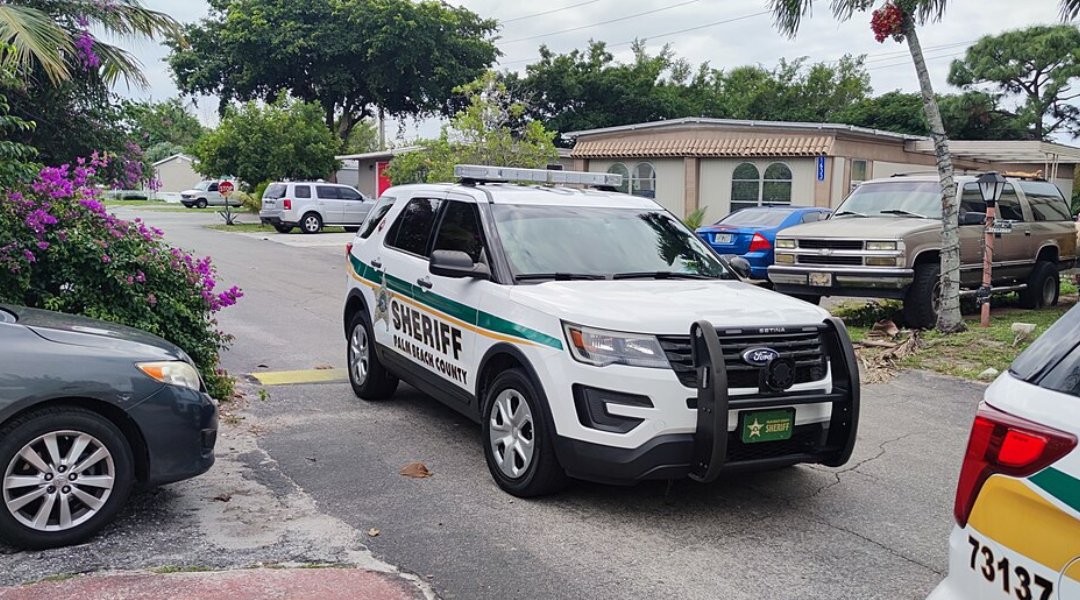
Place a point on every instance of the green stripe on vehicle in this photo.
(1059, 485)
(462, 312)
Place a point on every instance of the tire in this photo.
(201, 203)
(70, 425)
(283, 228)
(923, 299)
(351, 229)
(815, 300)
(369, 378)
(1043, 286)
(513, 415)
(311, 223)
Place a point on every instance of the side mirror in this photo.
(973, 218)
(456, 264)
(740, 265)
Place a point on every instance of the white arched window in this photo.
(745, 187)
(620, 169)
(776, 188)
(643, 181)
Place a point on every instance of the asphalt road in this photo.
(876, 528)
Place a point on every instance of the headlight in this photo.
(881, 245)
(173, 372)
(601, 348)
(789, 244)
(785, 258)
(881, 261)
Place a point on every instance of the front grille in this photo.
(831, 244)
(805, 348)
(810, 259)
(804, 439)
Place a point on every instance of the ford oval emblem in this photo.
(759, 357)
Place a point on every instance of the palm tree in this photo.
(789, 15)
(46, 35)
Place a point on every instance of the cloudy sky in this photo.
(725, 33)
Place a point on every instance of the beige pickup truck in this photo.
(884, 241)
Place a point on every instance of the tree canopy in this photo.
(351, 57)
(1038, 64)
(159, 124)
(261, 142)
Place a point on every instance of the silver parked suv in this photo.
(312, 204)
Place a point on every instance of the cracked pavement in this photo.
(875, 528)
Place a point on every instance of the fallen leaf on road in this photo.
(323, 367)
(223, 497)
(884, 328)
(261, 367)
(416, 470)
(373, 532)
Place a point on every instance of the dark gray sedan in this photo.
(87, 409)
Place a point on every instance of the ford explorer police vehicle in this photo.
(591, 334)
(1017, 532)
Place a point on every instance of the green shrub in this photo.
(865, 314)
(60, 250)
(695, 219)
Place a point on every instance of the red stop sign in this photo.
(226, 188)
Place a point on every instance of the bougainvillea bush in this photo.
(60, 250)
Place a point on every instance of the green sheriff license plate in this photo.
(767, 426)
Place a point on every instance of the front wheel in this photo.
(200, 203)
(518, 442)
(66, 473)
(369, 378)
(922, 303)
(1043, 286)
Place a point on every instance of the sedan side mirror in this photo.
(973, 218)
(456, 264)
(740, 265)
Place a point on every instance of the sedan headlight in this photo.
(789, 244)
(601, 348)
(881, 245)
(173, 372)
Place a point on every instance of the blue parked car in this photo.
(751, 232)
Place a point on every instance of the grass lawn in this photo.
(964, 354)
(260, 228)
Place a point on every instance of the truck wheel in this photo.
(1043, 286)
(923, 300)
(200, 203)
(518, 442)
(283, 228)
(369, 378)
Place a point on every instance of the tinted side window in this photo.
(327, 192)
(460, 230)
(972, 200)
(349, 194)
(1009, 206)
(303, 191)
(274, 191)
(1048, 350)
(1065, 377)
(411, 231)
(213, 187)
(376, 215)
(1047, 203)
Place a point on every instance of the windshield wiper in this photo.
(849, 212)
(660, 275)
(906, 213)
(556, 276)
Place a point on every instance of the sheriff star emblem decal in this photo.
(382, 303)
(755, 428)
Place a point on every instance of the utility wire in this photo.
(540, 14)
(641, 14)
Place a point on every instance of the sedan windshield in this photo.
(899, 199)
(560, 242)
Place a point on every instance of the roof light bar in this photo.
(544, 176)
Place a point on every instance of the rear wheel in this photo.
(283, 228)
(311, 223)
(922, 303)
(1043, 286)
(66, 473)
(369, 378)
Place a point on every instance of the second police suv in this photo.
(591, 334)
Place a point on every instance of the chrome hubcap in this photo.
(358, 354)
(512, 433)
(59, 481)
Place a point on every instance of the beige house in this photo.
(726, 165)
(176, 174)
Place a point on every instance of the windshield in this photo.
(893, 199)
(202, 186)
(601, 243)
(757, 217)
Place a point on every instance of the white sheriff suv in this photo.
(590, 333)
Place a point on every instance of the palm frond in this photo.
(117, 63)
(1070, 9)
(788, 14)
(927, 11)
(128, 18)
(36, 38)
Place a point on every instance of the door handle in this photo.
(376, 263)
(1027, 232)
(424, 282)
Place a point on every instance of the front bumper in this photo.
(861, 281)
(180, 429)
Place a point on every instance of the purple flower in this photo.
(105, 259)
(43, 245)
(29, 256)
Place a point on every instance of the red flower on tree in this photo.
(888, 21)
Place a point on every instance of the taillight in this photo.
(286, 204)
(1003, 444)
(348, 249)
(759, 243)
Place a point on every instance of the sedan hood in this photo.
(666, 307)
(868, 228)
(80, 331)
